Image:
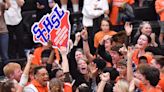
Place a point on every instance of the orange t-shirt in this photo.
(37, 55)
(136, 59)
(39, 87)
(161, 82)
(67, 87)
(159, 4)
(152, 89)
(115, 9)
(99, 36)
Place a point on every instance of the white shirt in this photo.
(91, 11)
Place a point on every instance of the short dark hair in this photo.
(100, 63)
(36, 69)
(53, 73)
(143, 58)
(113, 72)
(45, 53)
(83, 88)
(160, 61)
(151, 73)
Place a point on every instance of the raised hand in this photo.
(30, 58)
(84, 34)
(128, 28)
(123, 50)
(63, 50)
(93, 69)
(77, 38)
(105, 77)
(104, 38)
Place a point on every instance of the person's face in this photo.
(105, 26)
(142, 42)
(122, 70)
(82, 67)
(139, 76)
(17, 74)
(60, 75)
(42, 76)
(115, 57)
(107, 45)
(78, 55)
(146, 29)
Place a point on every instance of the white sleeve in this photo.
(105, 5)
(28, 89)
(88, 10)
(23, 80)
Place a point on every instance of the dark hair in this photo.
(113, 72)
(53, 73)
(151, 74)
(148, 37)
(143, 58)
(100, 63)
(6, 86)
(107, 20)
(117, 48)
(83, 88)
(160, 61)
(46, 53)
(36, 69)
(120, 37)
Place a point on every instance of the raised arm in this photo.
(104, 78)
(86, 48)
(65, 65)
(25, 75)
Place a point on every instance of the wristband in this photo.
(85, 40)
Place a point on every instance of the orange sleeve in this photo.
(37, 56)
(67, 87)
(157, 5)
(134, 57)
(161, 82)
(96, 43)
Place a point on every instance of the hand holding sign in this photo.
(54, 27)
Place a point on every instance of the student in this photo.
(104, 30)
(39, 84)
(146, 77)
(160, 11)
(13, 19)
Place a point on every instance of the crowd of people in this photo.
(106, 56)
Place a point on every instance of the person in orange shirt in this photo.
(105, 30)
(159, 6)
(37, 55)
(145, 78)
(142, 43)
(114, 12)
(39, 84)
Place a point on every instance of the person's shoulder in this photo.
(29, 88)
